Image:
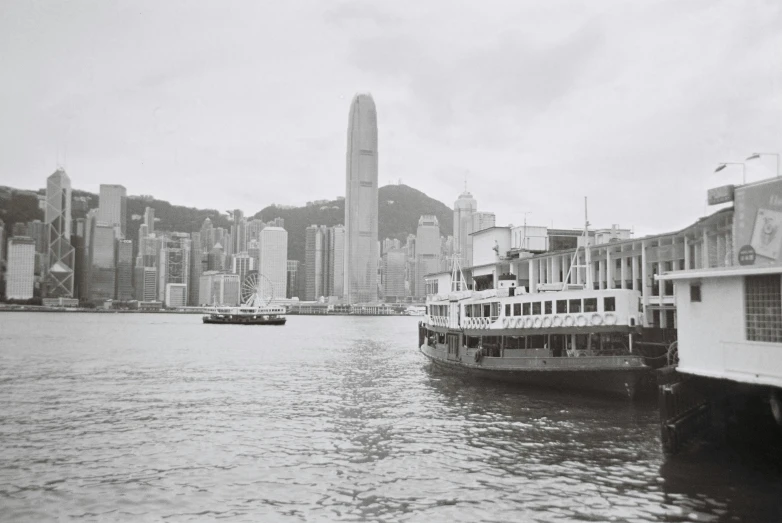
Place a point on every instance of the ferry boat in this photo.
(566, 337)
(255, 310)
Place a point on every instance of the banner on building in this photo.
(757, 224)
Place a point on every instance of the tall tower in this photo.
(112, 207)
(61, 255)
(361, 202)
(463, 210)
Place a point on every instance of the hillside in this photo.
(399, 208)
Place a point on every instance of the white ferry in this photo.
(568, 337)
(255, 309)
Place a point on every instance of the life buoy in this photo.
(557, 321)
(597, 319)
(528, 323)
(505, 322)
(569, 321)
(581, 320)
(518, 323)
(538, 323)
(546, 322)
(610, 318)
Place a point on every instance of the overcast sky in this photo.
(538, 103)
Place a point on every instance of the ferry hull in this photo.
(244, 321)
(613, 381)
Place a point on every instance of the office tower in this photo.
(36, 230)
(198, 264)
(103, 263)
(335, 284)
(175, 295)
(145, 283)
(149, 219)
(238, 233)
(219, 289)
(360, 253)
(293, 279)
(2, 240)
(60, 255)
(427, 252)
(174, 263)
(216, 258)
(112, 208)
(254, 250)
(274, 259)
(124, 270)
(242, 264)
(394, 262)
(254, 228)
(463, 210)
(19, 229)
(207, 235)
(20, 270)
(314, 239)
(482, 220)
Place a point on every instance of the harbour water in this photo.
(108, 417)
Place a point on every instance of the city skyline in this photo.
(593, 94)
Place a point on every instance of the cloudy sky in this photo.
(241, 104)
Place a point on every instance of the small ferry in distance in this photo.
(415, 311)
(566, 337)
(257, 294)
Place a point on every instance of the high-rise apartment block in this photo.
(274, 259)
(60, 252)
(20, 271)
(112, 208)
(360, 255)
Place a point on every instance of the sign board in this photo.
(757, 224)
(721, 194)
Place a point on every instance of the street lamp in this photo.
(723, 165)
(755, 156)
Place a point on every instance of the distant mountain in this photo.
(399, 208)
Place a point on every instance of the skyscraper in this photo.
(239, 233)
(313, 262)
(394, 262)
(61, 255)
(103, 262)
(112, 207)
(174, 265)
(463, 209)
(149, 219)
(20, 273)
(427, 252)
(335, 285)
(361, 257)
(274, 259)
(124, 270)
(293, 278)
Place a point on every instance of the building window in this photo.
(609, 304)
(517, 309)
(536, 308)
(590, 305)
(526, 309)
(575, 306)
(763, 302)
(561, 306)
(548, 308)
(695, 292)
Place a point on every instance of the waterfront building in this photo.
(124, 277)
(394, 262)
(20, 271)
(293, 279)
(360, 254)
(175, 295)
(103, 262)
(60, 253)
(242, 264)
(219, 289)
(274, 259)
(174, 263)
(149, 220)
(112, 207)
(145, 284)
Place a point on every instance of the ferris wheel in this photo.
(257, 290)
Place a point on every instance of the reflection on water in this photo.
(125, 417)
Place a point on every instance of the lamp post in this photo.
(723, 165)
(755, 156)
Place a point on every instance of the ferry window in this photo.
(495, 309)
(507, 309)
(548, 308)
(763, 308)
(536, 342)
(487, 310)
(472, 341)
(514, 342)
(609, 304)
(526, 309)
(517, 309)
(575, 306)
(468, 311)
(536, 308)
(590, 305)
(561, 306)
(695, 292)
(476, 311)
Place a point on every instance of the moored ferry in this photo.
(257, 294)
(567, 336)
